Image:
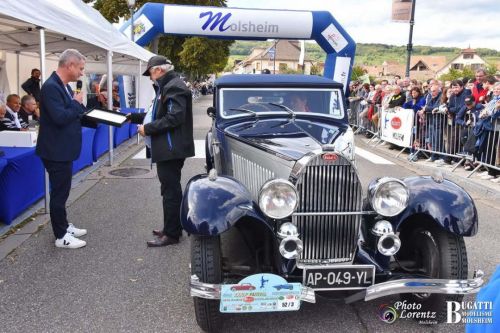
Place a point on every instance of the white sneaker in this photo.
(74, 231)
(70, 242)
(487, 177)
(484, 173)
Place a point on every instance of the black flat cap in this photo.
(156, 61)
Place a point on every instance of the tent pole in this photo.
(42, 80)
(137, 92)
(18, 69)
(110, 102)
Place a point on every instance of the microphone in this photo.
(78, 86)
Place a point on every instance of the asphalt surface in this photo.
(117, 284)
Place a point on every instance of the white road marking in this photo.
(140, 155)
(199, 149)
(371, 157)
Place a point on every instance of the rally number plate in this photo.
(339, 277)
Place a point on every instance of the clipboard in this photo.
(107, 117)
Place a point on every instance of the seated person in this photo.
(6, 124)
(13, 106)
(29, 109)
(298, 102)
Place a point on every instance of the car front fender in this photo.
(212, 206)
(445, 202)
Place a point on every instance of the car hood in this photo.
(291, 139)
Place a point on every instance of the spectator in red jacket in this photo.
(478, 91)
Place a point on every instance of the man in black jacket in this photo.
(171, 133)
(32, 85)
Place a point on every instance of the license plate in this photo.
(339, 277)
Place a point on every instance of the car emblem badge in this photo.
(330, 157)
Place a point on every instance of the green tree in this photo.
(195, 56)
(357, 71)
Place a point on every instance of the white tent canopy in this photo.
(48, 27)
(67, 24)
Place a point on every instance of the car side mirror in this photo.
(211, 111)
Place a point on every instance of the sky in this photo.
(455, 23)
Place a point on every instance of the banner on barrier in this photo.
(396, 126)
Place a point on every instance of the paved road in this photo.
(117, 284)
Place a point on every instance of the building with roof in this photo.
(279, 58)
(467, 58)
(421, 68)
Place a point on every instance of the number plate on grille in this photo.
(339, 277)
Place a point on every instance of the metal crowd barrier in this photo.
(439, 136)
(358, 118)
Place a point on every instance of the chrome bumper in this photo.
(426, 286)
(403, 286)
(212, 291)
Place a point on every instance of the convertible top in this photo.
(279, 80)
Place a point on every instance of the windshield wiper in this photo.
(245, 110)
(292, 120)
(286, 108)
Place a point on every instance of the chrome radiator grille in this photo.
(326, 187)
(250, 174)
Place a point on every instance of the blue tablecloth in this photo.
(21, 182)
(121, 134)
(101, 141)
(3, 163)
(86, 158)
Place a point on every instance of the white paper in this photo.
(117, 118)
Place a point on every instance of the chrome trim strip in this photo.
(204, 290)
(368, 212)
(431, 286)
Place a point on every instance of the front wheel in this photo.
(437, 254)
(206, 263)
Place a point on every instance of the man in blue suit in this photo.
(60, 140)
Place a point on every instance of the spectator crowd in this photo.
(454, 121)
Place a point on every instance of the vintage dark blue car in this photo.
(282, 196)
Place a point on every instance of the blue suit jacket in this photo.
(60, 133)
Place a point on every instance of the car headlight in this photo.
(389, 196)
(345, 144)
(278, 198)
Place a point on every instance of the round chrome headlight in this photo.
(389, 197)
(278, 198)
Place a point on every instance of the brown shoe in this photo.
(158, 233)
(162, 241)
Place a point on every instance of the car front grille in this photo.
(327, 187)
(250, 174)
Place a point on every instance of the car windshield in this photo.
(239, 101)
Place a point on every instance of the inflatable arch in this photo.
(153, 19)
